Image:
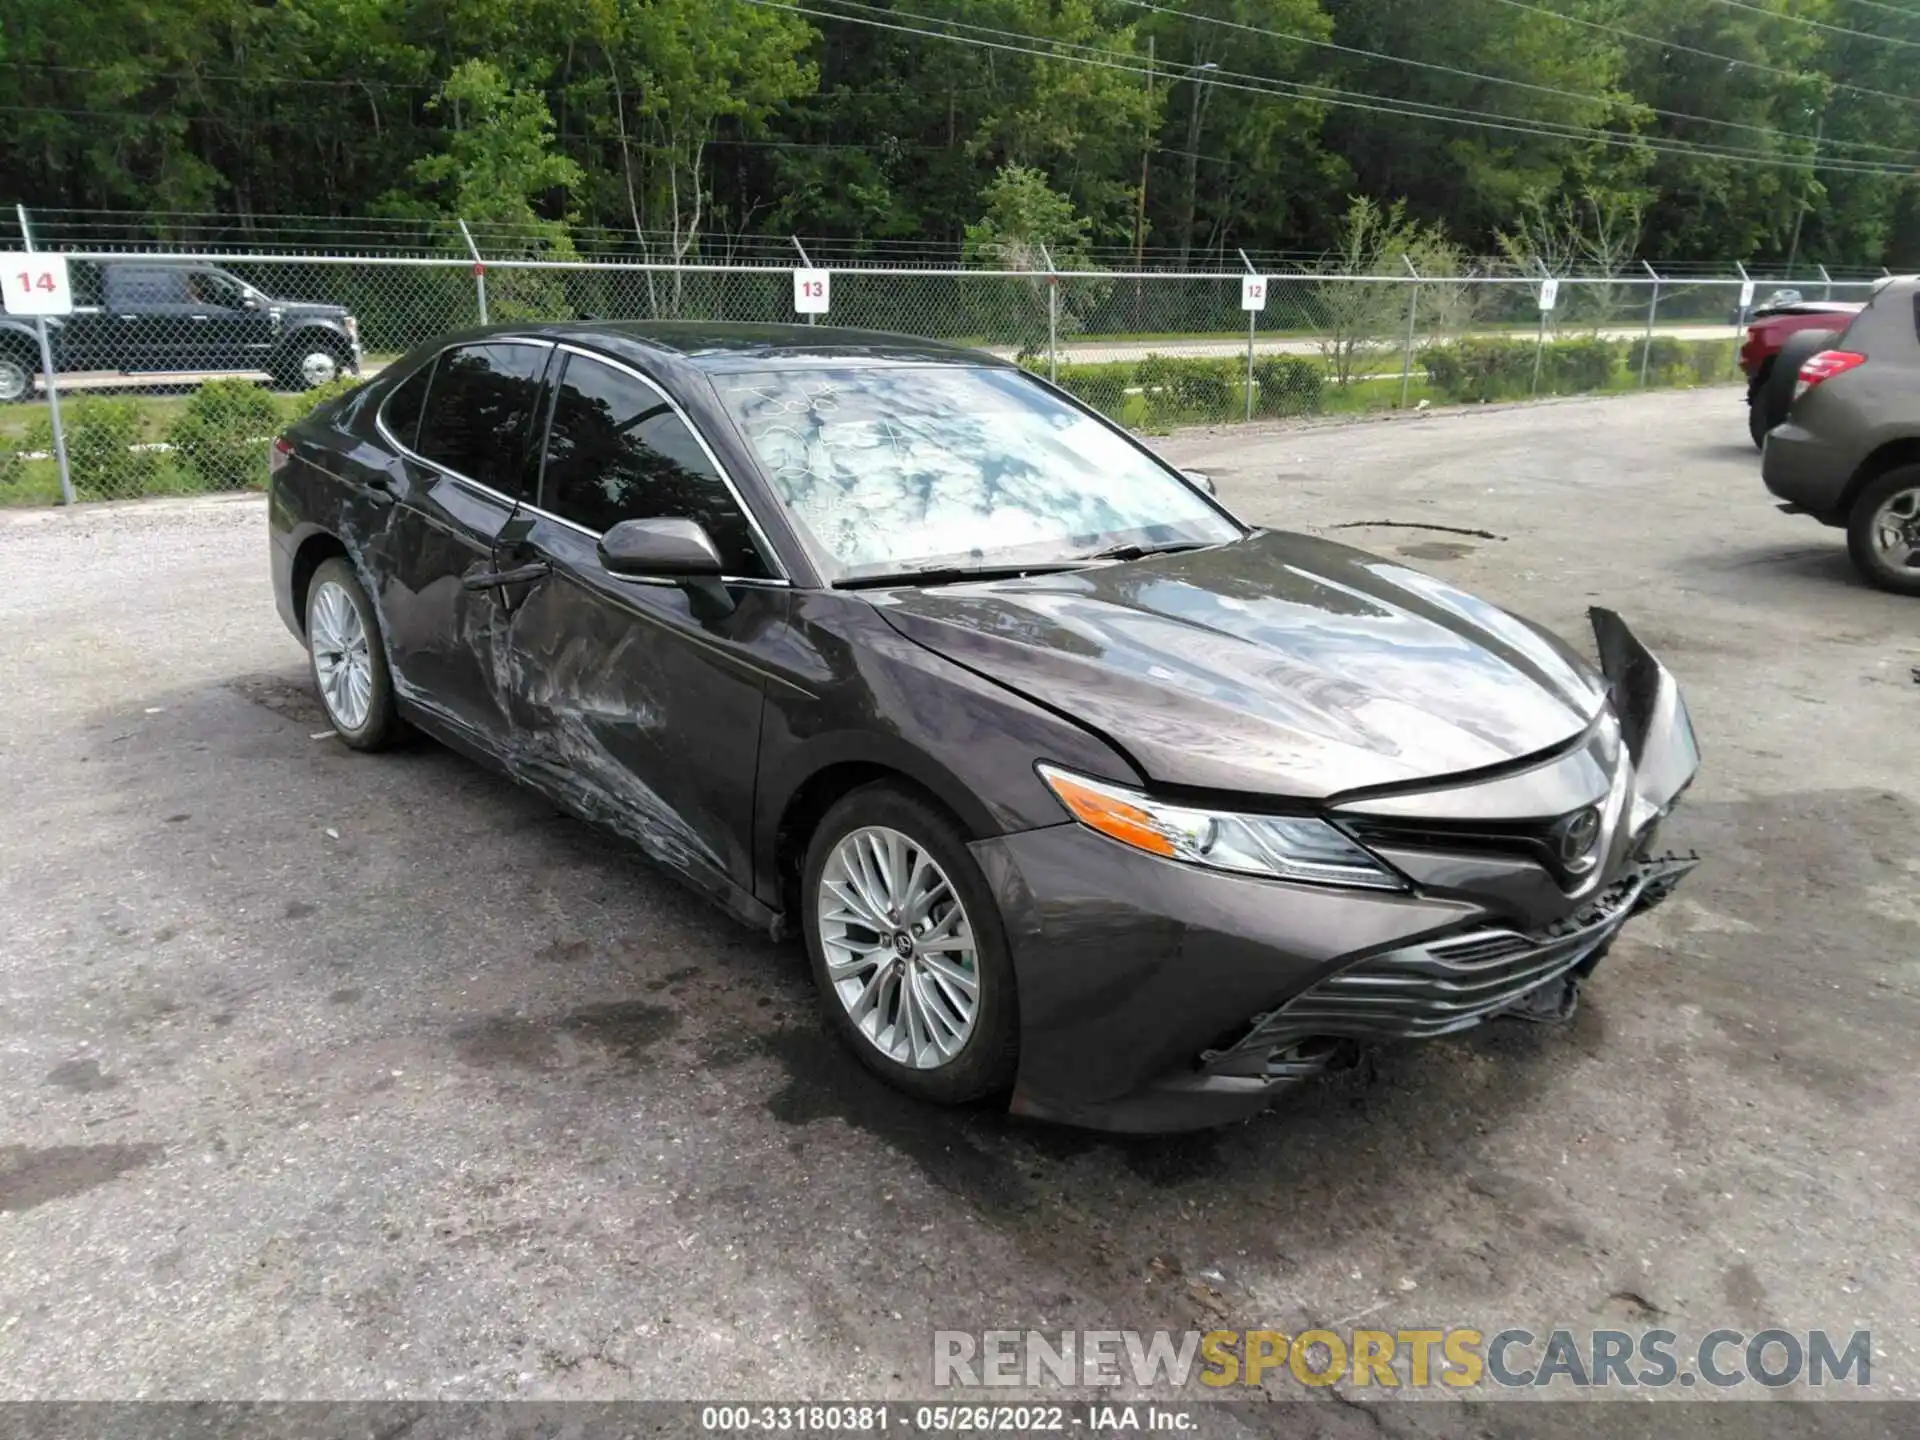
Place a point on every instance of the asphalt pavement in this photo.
(328, 1075)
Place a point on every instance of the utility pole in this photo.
(1793, 251)
(1146, 154)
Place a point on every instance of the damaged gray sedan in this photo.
(1084, 797)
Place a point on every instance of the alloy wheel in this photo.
(342, 658)
(899, 947)
(1896, 530)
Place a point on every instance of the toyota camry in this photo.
(1084, 796)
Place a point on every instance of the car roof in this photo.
(717, 346)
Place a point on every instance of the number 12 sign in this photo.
(812, 290)
(32, 284)
(1253, 292)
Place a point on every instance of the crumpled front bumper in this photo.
(1157, 996)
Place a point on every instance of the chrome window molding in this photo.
(779, 580)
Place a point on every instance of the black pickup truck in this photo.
(139, 318)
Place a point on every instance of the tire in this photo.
(298, 366)
(1774, 396)
(357, 697)
(1892, 500)
(17, 370)
(952, 1068)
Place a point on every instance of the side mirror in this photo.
(669, 548)
(1205, 482)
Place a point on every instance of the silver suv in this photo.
(1848, 453)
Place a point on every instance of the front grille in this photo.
(1437, 987)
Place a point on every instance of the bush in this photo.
(1103, 387)
(1180, 389)
(1288, 385)
(101, 455)
(1573, 367)
(220, 439)
(1475, 371)
(1663, 357)
(1710, 360)
(303, 403)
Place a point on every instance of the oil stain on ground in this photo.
(31, 1176)
(624, 1031)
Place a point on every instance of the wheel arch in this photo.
(837, 773)
(312, 553)
(1889, 456)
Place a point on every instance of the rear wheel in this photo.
(908, 951)
(16, 375)
(1883, 531)
(349, 659)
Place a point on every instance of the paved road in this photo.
(327, 1075)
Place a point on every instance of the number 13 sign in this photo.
(35, 284)
(812, 291)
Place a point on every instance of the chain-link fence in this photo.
(177, 366)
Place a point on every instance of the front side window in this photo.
(478, 405)
(617, 451)
(892, 469)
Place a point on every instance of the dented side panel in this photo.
(634, 713)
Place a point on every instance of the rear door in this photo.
(144, 326)
(638, 713)
(463, 424)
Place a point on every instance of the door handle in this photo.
(199, 317)
(519, 575)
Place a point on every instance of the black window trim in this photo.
(768, 554)
(380, 415)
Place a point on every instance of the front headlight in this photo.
(1281, 847)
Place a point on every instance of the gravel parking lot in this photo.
(324, 1075)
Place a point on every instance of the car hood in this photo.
(1280, 664)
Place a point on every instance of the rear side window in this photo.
(142, 285)
(401, 412)
(478, 404)
(617, 451)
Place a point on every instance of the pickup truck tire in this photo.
(1883, 530)
(1770, 400)
(310, 360)
(17, 368)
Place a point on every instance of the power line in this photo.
(1517, 84)
(1797, 75)
(1353, 100)
(1902, 11)
(1820, 24)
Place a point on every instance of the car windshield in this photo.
(897, 469)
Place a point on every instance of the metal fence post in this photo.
(1053, 318)
(1653, 309)
(1740, 324)
(47, 370)
(1540, 341)
(479, 271)
(1827, 281)
(1252, 315)
(1413, 315)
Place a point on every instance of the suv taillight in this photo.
(1824, 366)
(278, 457)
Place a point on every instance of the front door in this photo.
(228, 334)
(464, 428)
(638, 713)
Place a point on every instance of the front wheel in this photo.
(349, 659)
(909, 955)
(1883, 531)
(310, 361)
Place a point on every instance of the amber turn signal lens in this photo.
(1112, 817)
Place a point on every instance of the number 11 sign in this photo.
(32, 284)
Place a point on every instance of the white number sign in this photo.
(1253, 292)
(1746, 295)
(812, 291)
(1549, 293)
(35, 284)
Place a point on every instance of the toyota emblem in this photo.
(1576, 838)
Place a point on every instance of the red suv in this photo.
(1785, 323)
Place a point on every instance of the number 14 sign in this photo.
(32, 284)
